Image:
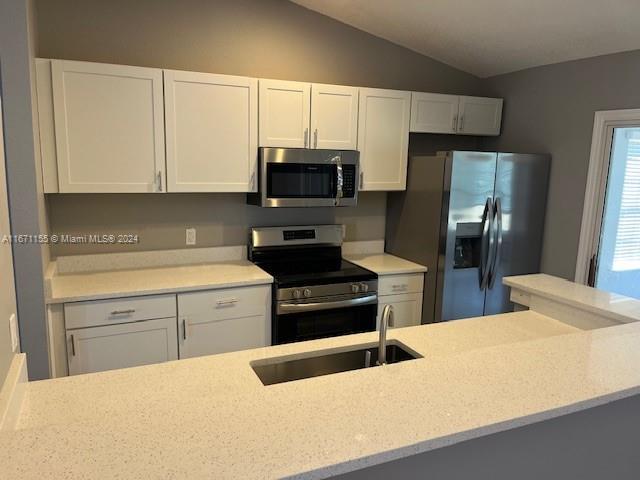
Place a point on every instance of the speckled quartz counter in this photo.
(210, 417)
(146, 281)
(386, 264)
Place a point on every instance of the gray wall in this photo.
(260, 38)
(26, 201)
(595, 444)
(551, 109)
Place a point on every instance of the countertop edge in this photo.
(458, 437)
(360, 260)
(159, 291)
(513, 283)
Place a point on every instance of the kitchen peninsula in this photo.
(476, 377)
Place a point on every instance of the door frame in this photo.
(604, 123)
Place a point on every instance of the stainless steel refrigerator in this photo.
(471, 218)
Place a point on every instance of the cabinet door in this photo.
(109, 127)
(407, 309)
(212, 132)
(383, 138)
(334, 117)
(480, 116)
(225, 320)
(120, 346)
(434, 113)
(284, 113)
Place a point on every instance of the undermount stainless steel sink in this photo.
(285, 369)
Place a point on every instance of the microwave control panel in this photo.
(349, 181)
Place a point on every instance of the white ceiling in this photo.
(490, 37)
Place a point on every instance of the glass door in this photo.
(616, 265)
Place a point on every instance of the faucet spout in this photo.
(385, 322)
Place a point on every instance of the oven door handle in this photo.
(339, 178)
(288, 307)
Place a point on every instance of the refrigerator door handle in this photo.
(493, 273)
(486, 252)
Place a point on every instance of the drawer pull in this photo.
(230, 301)
(73, 345)
(123, 312)
(404, 286)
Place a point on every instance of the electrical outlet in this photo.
(344, 231)
(13, 328)
(191, 236)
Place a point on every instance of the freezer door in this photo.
(465, 242)
(520, 202)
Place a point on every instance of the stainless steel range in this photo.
(316, 293)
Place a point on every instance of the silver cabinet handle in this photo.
(73, 345)
(123, 312)
(315, 138)
(230, 301)
(184, 328)
(361, 180)
(493, 273)
(295, 307)
(403, 286)
(159, 176)
(252, 181)
(462, 123)
(455, 122)
(306, 137)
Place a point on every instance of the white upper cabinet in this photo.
(437, 113)
(109, 127)
(434, 112)
(480, 116)
(383, 138)
(284, 112)
(211, 132)
(334, 117)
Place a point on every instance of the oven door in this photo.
(296, 321)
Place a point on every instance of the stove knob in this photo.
(364, 288)
(307, 293)
(297, 294)
(355, 288)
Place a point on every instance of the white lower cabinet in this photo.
(225, 320)
(404, 293)
(95, 349)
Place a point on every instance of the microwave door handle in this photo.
(339, 178)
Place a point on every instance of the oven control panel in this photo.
(349, 181)
(314, 291)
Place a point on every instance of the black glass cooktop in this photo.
(308, 272)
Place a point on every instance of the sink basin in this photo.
(285, 369)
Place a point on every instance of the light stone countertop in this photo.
(210, 417)
(385, 264)
(599, 302)
(75, 287)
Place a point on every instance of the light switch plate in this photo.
(344, 231)
(191, 236)
(13, 328)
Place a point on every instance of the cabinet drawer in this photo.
(225, 303)
(120, 310)
(395, 284)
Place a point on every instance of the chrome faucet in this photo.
(385, 322)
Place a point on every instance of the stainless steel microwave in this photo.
(300, 177)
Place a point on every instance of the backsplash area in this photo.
(160, 221)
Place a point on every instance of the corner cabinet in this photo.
(211, 132)
(383, 138)
(303, 115)
(109, 127)
(462, 115)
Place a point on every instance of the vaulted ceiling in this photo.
(490, 37)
